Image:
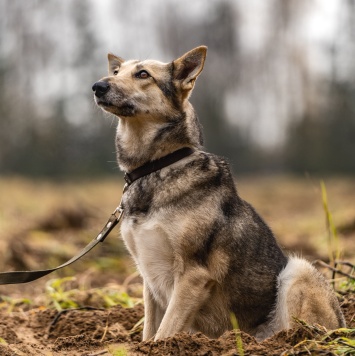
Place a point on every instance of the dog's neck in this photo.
(140, 140)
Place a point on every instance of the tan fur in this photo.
(176, 284)
(148, 118)
(202, 251)
(304, 294)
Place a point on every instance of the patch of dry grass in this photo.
(293, 207)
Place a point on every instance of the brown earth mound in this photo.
(117, 331)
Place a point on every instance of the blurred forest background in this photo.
(277, 93)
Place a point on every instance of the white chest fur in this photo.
(149, 244)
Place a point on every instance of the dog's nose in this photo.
(101, 88)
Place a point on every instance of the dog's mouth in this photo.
(102, 102)
(105, 104)
(124, 109)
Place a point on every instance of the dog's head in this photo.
(149, 88)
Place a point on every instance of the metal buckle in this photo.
(127, 178)
(118, 212)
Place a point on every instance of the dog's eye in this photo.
(142, 74)
(115, 72)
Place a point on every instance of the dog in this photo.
(202, 251)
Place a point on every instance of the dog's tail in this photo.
(305, 294)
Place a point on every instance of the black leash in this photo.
(17, 277)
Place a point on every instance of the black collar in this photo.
(157, 164)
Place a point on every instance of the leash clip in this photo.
(111, 223)
(118, 212)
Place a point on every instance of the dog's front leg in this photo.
(153, 314)
(191, 290)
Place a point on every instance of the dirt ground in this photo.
(114, 331)
(43, 224)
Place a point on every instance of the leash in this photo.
(17, 277)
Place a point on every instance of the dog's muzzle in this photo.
(101, 88)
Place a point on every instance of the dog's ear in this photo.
(114, 63)
(188, 67)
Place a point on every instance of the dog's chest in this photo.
(151, 246)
